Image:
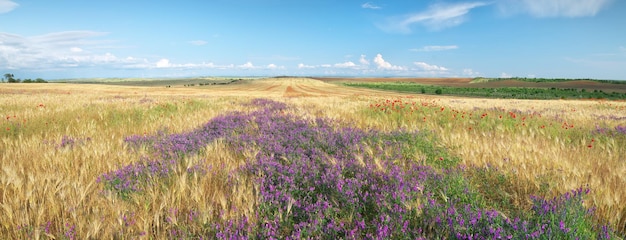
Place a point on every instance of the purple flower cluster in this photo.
(563, 217)
(167, 151)
(610, 117)
(618, 130)
(320, 180)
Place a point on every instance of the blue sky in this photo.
(425, 38)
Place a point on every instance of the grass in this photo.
(216, 166)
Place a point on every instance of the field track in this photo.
(273, 87)
(288, 87)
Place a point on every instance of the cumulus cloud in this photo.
(345, 65)
(363, 60)
(304, 66)
(163, 63)
(427, 67)
(369, 5)
(7, 6)
(272, 66)
(505, 75)
(198, 42)
(382, 64)
(437, 17)
(470, 72)
(435, 48)
(247, 65)
(554, 8)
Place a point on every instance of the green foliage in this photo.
(543, 80)
(418, 146)
(10, 78)
(503, 92)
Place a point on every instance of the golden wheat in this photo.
(47, 189)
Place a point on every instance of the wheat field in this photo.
(58, 140)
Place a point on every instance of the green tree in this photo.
(8, 77)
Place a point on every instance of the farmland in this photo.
(306, 158)
(516, 88)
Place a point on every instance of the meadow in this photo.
(293, 158)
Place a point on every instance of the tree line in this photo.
(10, 78)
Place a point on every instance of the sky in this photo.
(370, 38)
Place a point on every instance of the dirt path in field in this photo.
(271, 87)
(288, 87)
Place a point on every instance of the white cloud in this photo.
(345, 65)
(7, 6)
(554, 8)
(470, 72)
(198, 42)
(59, 49)
(622, 48)
(505, 75)
(163, 63)
(272, 66)
(437, 17)
(369, 5)
(83, 50)
(247, 65)
(303, 66)
(435, 48)
(107, 57)
(364, 60)
(427, 67)
(382, 64)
